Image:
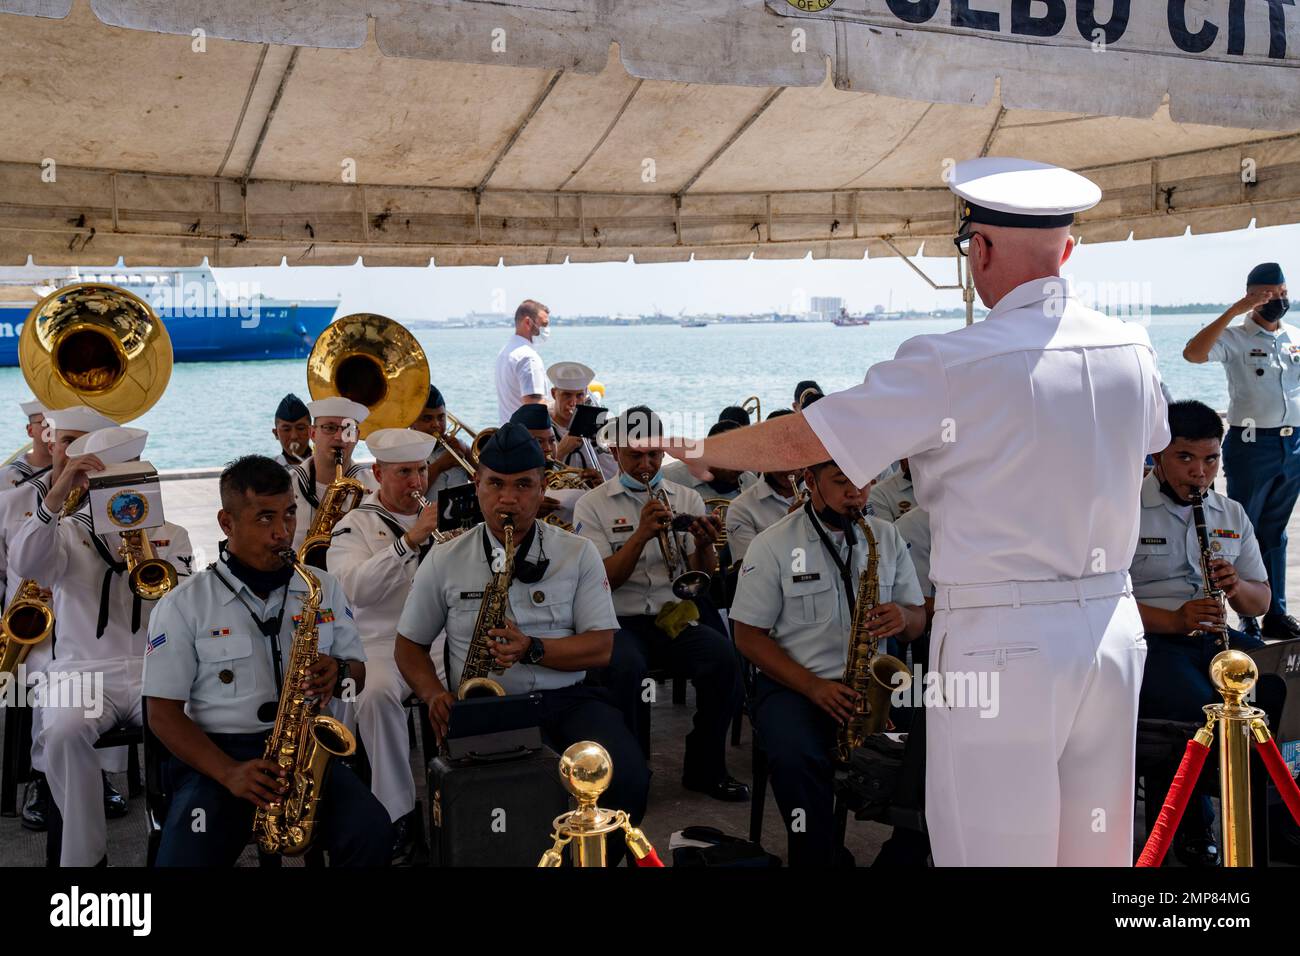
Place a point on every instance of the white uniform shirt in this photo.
(791, 587)
(755, 509)
(915, 529)
(1166, 569)
(892, 498)
(60, 553)
(303, 477)
(1026, 435)
(520, 372)
(375, 567)
(572, 597)
(678, 473)
(16, 506)
(1263, 373)
(607, 516)
(16, 471)
(280, 459)
(205, 649)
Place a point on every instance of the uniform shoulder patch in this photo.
(155, 643)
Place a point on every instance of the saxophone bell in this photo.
(27, 622)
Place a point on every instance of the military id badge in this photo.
(125, 497)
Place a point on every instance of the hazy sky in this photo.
(1208, 268)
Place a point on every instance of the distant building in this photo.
(825, 308)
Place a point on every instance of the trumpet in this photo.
(438, 537)
(688, 584)
(149, 576)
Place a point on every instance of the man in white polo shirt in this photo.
(521, 374)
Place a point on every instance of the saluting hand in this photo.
(510, 644)
(1224, 577)
(833, 697)
(1253, 300)
(257, 781)
(322, 676)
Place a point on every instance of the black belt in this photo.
(1283, 431)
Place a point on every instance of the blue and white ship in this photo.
(208, 320)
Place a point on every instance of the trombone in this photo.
(753, 408)
(448, 445)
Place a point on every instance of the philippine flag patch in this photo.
(220, 632)
(155, 643)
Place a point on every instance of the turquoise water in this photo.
(215, 411)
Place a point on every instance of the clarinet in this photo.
(1207, 555)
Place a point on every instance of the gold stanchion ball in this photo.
(1233, 673)
(586, 770)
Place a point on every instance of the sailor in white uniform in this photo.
(1026, 435)
(569, 381)
(374, 553)
(334, 427)
(101, 633)
(35, 461)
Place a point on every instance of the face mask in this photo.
(634, 484)
(1274, 309)
(542, 334)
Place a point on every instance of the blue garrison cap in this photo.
(1266, 273)
(511, 450)
(291, 408)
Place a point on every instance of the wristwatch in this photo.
(536, 651)
(344, 668)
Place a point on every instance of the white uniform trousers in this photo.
(68, 736)
(381, 724)
(1049, 780)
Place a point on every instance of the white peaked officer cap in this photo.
(113, 445)
(570, 376)
(1002, 191)
(78, 418)
(400, 444)
(338, 407)
(32, 408)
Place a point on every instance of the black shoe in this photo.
(1199, 850)
(114, 803)
(404, 840)
(36, 804)
(728, 789)
(1281, 627)
(1250, 626)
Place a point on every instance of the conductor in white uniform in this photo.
(1025, 435)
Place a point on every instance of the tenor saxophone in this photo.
(479, 662)
(872, 676)
(27, 621)
(304, 741)
(333, 506)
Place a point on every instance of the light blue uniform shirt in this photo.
(914, 526)
(205, 649)
(1263, 373)
(1166, 569)
(572, 597)
(789, 586)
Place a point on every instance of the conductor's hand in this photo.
(440, 712)
(1201, 614)
(833, 697)
(257, 781)
(1224, 577)
(510, 644)
(655, 516)
(321, 678)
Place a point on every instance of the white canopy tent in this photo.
(470, 132)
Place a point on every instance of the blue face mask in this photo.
(632, 484)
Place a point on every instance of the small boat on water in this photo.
(208, 320)
(844, 319)
(694, 324)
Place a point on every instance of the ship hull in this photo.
(279, 330)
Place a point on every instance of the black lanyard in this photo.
(270, 627)
(846, 571)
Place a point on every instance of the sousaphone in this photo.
(373, 360)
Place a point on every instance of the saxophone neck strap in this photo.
(269, 628)
(844, 567)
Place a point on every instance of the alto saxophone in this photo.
(333, 506)
(303, 741)
(27, 621)
(479, 662)
(872, 676)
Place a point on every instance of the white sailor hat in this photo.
(32, 408)
(570, 376)
(77, 418)
(1003, 191)
(400, 444)
(338, 407)
(113, 445)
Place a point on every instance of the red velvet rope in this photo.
(650, 859)
(1281, 774)
(1180, 791)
